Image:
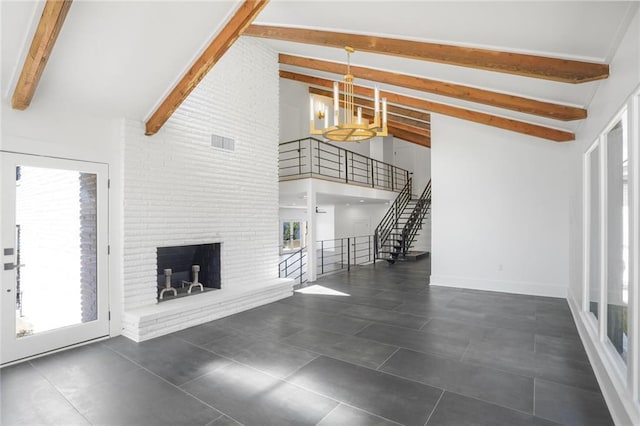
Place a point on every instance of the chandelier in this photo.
(353, 127)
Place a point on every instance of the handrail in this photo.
(410, 229)
(298, 271)
(344, 253)
(310, 157)
(384, 230)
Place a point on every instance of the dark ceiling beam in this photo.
(554, 69)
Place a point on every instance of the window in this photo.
(293, 235)
(617, 279)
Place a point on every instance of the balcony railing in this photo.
(343, 253)
(311, 157)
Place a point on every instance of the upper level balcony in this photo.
(313, 158)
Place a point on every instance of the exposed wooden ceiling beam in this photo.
(472, 94)
(243, 17)
(554, 69)
(397, 114)
(418, 139)
(452, 111)
(409, 121)
(51, 20)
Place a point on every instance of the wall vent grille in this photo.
(221, 142)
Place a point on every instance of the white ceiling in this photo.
(121, 58)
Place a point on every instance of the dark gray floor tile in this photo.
(232, 344)
(254, 398)
(274, 357)
(347, 348)
(416, 340)
(569, 405)
(457, 329)
(344, 415)
(490, 304)
(266, 326)
(504, 337)
(171, 358)
(388, 396)
(529, 363)
(202, 333)
(458, 410)
(505, 389)
(140, 398)
(29, 399)
(554, 325)
(561, 347)
(385, 316)
(82, 367)
(330, 322)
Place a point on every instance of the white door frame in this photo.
(13, 348)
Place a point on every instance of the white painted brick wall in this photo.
(179, 190)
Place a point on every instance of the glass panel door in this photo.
(54, 265)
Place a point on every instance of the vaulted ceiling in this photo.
(123, 58)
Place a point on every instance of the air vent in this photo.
(223, 143)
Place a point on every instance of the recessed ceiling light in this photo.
(362, 201)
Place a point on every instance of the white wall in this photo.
(358, 220)
(179, 190)
(416, 159)
(500, 210)
(619, 387)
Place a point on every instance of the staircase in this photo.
(398, 229)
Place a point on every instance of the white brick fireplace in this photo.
(179, 190)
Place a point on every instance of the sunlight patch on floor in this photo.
(324, 291)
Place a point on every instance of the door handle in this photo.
(11, 266)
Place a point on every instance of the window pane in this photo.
(594, 231)
(617, 239)
(56, 234)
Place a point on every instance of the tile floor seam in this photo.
(215, 420)
(388, 358)
(465, 350)
(327, 415)
(290, 383)
(425, 324)
(59, 392)
(534, 396)
(458, 393)
(434, 408)
(174, 385)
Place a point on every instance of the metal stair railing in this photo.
(310, 157)
(414, 224)
(294, 265)
(390, 220)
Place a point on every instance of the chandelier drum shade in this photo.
(350, 126)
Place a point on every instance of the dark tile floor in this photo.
(382, 348)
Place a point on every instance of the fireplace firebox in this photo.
(187, 270)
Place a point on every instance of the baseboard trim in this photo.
(618, 398)
(516, 287)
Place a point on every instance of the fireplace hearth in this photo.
(187, 270)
